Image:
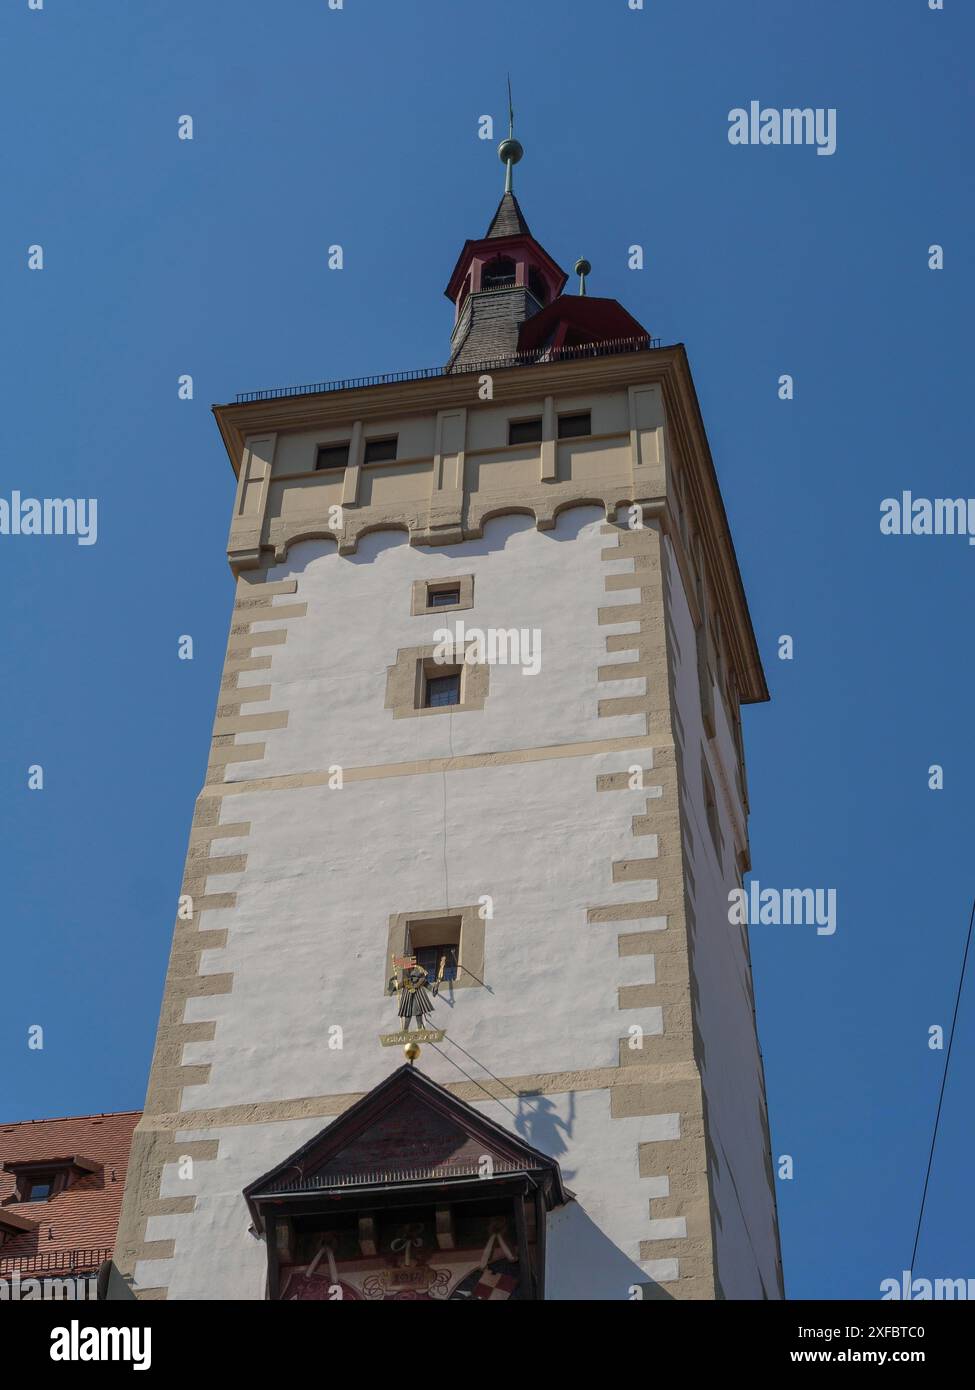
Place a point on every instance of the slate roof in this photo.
(509, 220)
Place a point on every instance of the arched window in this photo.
(498, 273)
(537, 286)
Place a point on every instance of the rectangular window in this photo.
(430, 595)
(442, 598)
(40, 1189)
(440, 961)
(333, 456)
(452, 935)
(574, 426)
(442, 690)
(525, 431)
(433, 942)
(380, 450)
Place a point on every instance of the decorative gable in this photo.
(410, 1193)
(408, 1129)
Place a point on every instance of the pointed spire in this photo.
(501, 279)
(511, 150)
(508, 220)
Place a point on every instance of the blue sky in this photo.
(209, 257)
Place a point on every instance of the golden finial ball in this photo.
(411, 1051)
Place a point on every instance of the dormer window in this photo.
(44, 1178)
(498, 274)
(13, 1225)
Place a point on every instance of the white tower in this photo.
(547, 810)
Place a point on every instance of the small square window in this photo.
(574, 426)
(442, 690)
(440, 961)
(435, 680)
(433, 595)
(442, 598)
(332, 456)
(435, 944)
(380, 450)
(40, 1190)
(452, 935)
(525, 431)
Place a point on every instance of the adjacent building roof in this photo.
(93, 1152)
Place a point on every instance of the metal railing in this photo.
(55, 1262)
(425, 1173)
(535, 357)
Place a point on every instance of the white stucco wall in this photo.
(592, 1243)
(330, 674)
(307, 943)
(745, 1238)
(326, 868)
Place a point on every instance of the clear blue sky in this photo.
(165, 257)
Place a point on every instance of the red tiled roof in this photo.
(85, 1215)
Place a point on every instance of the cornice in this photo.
(325, 408)
(684, 410)
(667, 367)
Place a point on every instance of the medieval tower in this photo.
(479, 711)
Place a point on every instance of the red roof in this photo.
(588, 318)
(84, 1216)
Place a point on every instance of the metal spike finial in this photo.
(510, 150)
(582, 269)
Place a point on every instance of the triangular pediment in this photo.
(407, 1130)
(408, 1139)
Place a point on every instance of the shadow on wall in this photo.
(540, 1124)
(498, 531)
(582, 1263)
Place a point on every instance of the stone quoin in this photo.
(525, 879)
